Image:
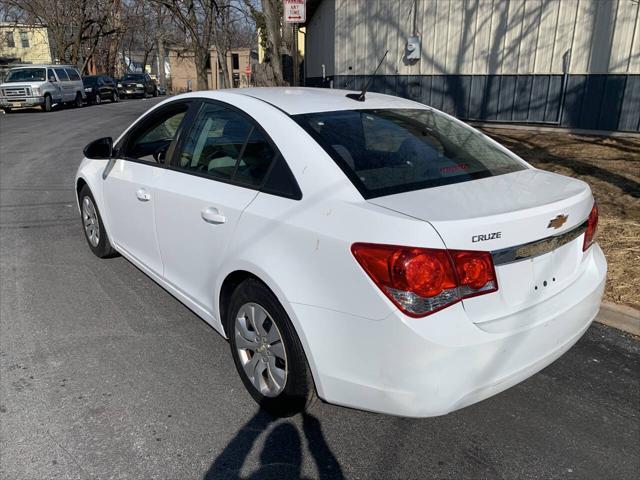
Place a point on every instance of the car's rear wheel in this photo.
(267, 352)
(77, 103)
(98, 99)
(114, 97)
(94, 231)
(48, 104)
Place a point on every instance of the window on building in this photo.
(24, 39)
(235, 61)
(10, 42)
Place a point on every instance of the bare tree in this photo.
(273, 38)
(196, 20)
(76, 27)
(234, 28)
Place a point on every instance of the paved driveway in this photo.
(105, 375)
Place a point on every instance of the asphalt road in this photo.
(103, 374)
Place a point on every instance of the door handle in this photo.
(143, 195)
(213, 215)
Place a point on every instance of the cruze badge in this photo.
(558, 221)
(486, 236)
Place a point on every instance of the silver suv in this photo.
(41, 85)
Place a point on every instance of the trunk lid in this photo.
(497, 213)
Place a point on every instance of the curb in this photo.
(621, 317)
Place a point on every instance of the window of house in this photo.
(235, 61)
(10, 41)
(24, 39)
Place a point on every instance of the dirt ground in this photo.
(611, 165)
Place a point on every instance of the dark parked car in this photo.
(137, 85)
(100, 87)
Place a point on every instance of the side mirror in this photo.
(100, 149)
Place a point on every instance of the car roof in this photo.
(297, 100)
(41, 65)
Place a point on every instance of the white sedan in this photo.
(378, 254)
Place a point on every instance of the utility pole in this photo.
(296, 59)
(160, 48)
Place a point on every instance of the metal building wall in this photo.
(572, 62)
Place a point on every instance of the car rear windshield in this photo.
(89, 80)
(390, 151)
(27, 75)
(135, 78)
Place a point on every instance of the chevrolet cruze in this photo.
(373, 252)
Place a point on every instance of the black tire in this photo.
(77, 103)
(155, 92)
(97, 100)
(299, 392)
(48, 104)
(114, 97)
(103, 249)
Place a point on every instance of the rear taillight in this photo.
(421, 281)
(592, 224)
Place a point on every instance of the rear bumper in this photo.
(434, 365)
(21, 102)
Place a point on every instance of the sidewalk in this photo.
(621, 317)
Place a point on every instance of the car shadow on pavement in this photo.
(282, 451)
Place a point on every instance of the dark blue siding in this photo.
(630, 112)
(611, 106)
(597, 102)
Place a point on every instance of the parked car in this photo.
(162, 90)
(137, 85)
(405, 263)
(100, 87)
(41, 86)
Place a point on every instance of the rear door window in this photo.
(390, 151)
(62, 75)
(255, 160)
(226, 145)
(73, 74)
(215, 142)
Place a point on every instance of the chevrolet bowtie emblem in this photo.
(558, 221)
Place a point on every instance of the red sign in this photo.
(295, 11)
(247, 70)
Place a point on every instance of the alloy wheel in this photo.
(90, 222)
(261, 350)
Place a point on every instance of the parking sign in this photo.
(295, 11)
